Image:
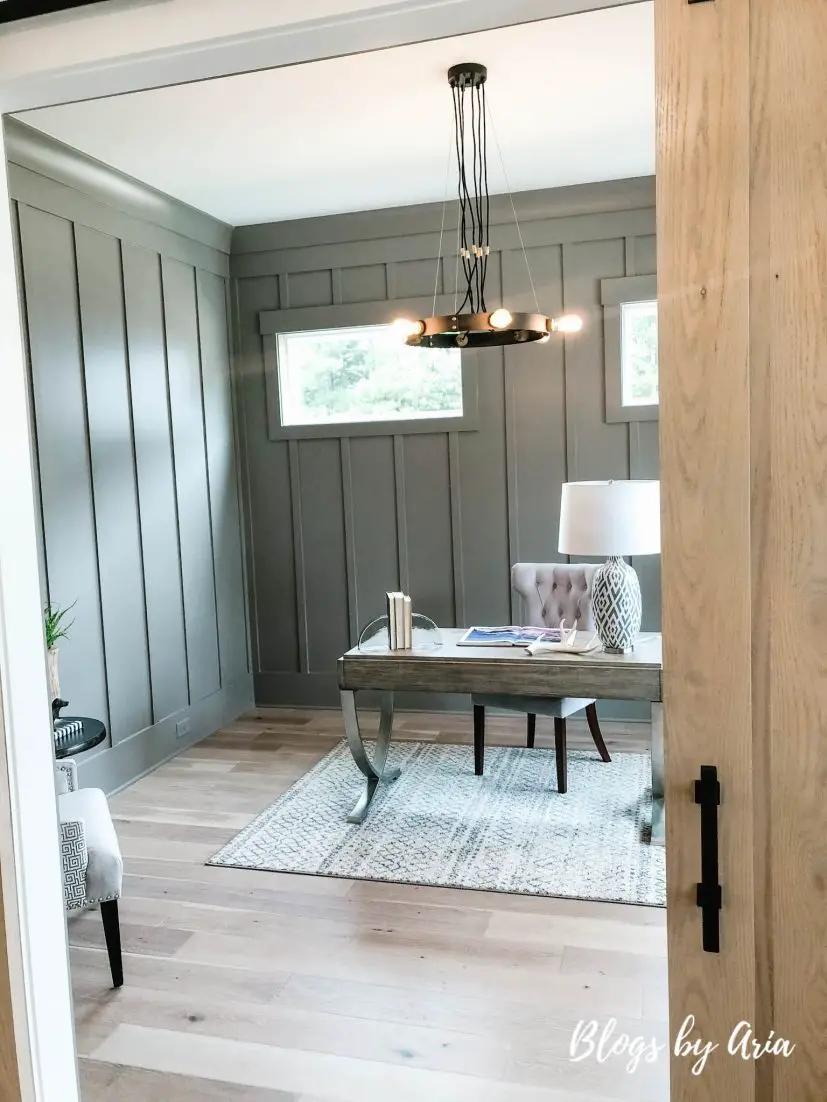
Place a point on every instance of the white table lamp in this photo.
(612, 519)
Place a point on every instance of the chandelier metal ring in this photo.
(476, 331)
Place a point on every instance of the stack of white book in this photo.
(400, 621)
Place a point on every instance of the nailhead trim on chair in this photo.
(93, 902)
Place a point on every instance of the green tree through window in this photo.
(639, 361)
(365, 374)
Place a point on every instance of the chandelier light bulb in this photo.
(500, 319)
(568, 323)
(407, 327)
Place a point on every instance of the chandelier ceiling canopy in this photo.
(473, 324)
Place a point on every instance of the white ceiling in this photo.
(572, 101)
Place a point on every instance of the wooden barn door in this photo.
(742, 285)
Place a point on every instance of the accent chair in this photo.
(91, 857)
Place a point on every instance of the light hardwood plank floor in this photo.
(268, 987)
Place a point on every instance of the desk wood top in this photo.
(460, 669)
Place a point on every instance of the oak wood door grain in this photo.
(789, 434)
(703, 182)
(742, 210)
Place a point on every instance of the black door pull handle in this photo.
(709, 893)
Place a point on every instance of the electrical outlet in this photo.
(182, 728)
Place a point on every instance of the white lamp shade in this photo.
(610, 518)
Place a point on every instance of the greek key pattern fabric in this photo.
(74, 857)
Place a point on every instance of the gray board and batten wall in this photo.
(125, 310)
(332, 523)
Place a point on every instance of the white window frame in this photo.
(614, 295)
(273, 323)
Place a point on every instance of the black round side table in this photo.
(92, 733)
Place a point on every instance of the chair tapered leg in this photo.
(479, 739)
(531, 727)
(112, 933)
(560, 750)
(594, 727)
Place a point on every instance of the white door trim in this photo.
(29, 836)
(289, 42)
(29, 850)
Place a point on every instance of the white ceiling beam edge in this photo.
(399, 24)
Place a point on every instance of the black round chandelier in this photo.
(472, 324)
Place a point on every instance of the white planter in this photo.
(54, 677)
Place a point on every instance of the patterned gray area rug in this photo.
(509, 831)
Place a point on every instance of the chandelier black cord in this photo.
(470, 324)
(475, 204)
(475, 200)
(459, 137)
(485, 185)
(482, 197)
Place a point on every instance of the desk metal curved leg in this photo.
(374, 771)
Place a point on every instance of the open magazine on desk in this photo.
(508, 637)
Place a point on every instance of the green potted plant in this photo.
(56, 628)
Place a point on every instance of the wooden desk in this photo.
(458, 669)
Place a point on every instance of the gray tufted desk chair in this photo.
(552, 592)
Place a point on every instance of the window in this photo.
(364, 373)
(630, 343)
(342, 370)
(639, 353)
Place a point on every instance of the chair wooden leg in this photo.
(594, 727)
(112, 933)
(479, 740)
(531, 727)
(560, 750)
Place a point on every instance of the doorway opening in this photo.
(191, 257)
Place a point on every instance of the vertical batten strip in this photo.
(401, 512)
(128, 361)
(90, 470)
(629, 249)
(351, 567)
(512, 488)
(199, 342)
(567, 371)
(165, 327)
(390, 280)
(511, 478)
(336, 286)
(455, 491)
(570, 383)
(241, 462)
(298, 555)
(37, 477)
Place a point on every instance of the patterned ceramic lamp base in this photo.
(617, 605)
